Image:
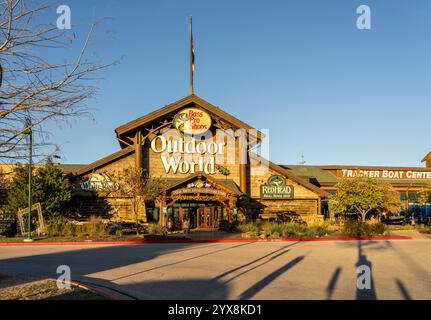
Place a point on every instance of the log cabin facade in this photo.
(209, 179)
(207, 158)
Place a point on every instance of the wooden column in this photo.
(407, 211)
(243, 177)
(242, 144)
(138, 150)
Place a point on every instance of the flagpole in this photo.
(191, 55)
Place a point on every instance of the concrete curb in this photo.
(91, 288)
(77, 243)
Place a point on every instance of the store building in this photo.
(213, 173)
(408, 181)
(205, 155)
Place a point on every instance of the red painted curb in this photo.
(90, 288)
(76, 243)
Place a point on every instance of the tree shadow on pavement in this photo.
(403, 290)
(90, 260)
(112, 261)
(95, 259)
(177, 262)
(272, 255)
(254, 289)
(333, 283)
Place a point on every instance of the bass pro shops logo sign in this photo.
(276, 188)
(192, 121)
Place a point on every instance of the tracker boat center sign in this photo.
(386, 174)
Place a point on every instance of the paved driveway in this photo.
(281, 270)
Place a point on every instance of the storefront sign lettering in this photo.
(178, 164)
(386, 174)
(98, 182)
(192, 121)
(276, 188)
(215, 192)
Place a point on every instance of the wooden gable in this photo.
(160, 119)
(427, 160)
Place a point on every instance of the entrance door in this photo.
(206, 217)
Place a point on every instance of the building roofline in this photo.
(427, 157)
(198, 174)
(132, 125)
(108, 159)
(340, 167)
(290, 175)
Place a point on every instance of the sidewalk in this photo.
(213, 235)
(414, 234)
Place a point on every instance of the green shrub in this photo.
(294, 230)
(250, 235)
(268, 229)
(155, 228)
(56, 226)
(316, 231)
(364, 229)
(247, 227)
(95, 227)
(275, 235)
(69, 230)
(62, 227)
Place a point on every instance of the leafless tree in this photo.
(137, 185)
(32, 87)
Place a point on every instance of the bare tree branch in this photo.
(32, 87)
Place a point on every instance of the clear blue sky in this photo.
(299, 68)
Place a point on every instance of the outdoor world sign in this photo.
(173, 153)
(182, 147)
(276, 188)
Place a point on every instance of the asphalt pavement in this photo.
(398, 269)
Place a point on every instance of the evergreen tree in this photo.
(51, 187)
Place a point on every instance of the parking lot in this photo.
(400, 269)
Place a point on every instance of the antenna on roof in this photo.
(302, 162)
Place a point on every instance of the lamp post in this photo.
(29, 132)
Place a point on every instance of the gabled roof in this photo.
(427, 157)
(191, 99)
(70, 168)
(312, 172)
(290, 175)
(104, 161)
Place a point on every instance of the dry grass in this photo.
(21, 289)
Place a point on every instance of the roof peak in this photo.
(159, 113)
